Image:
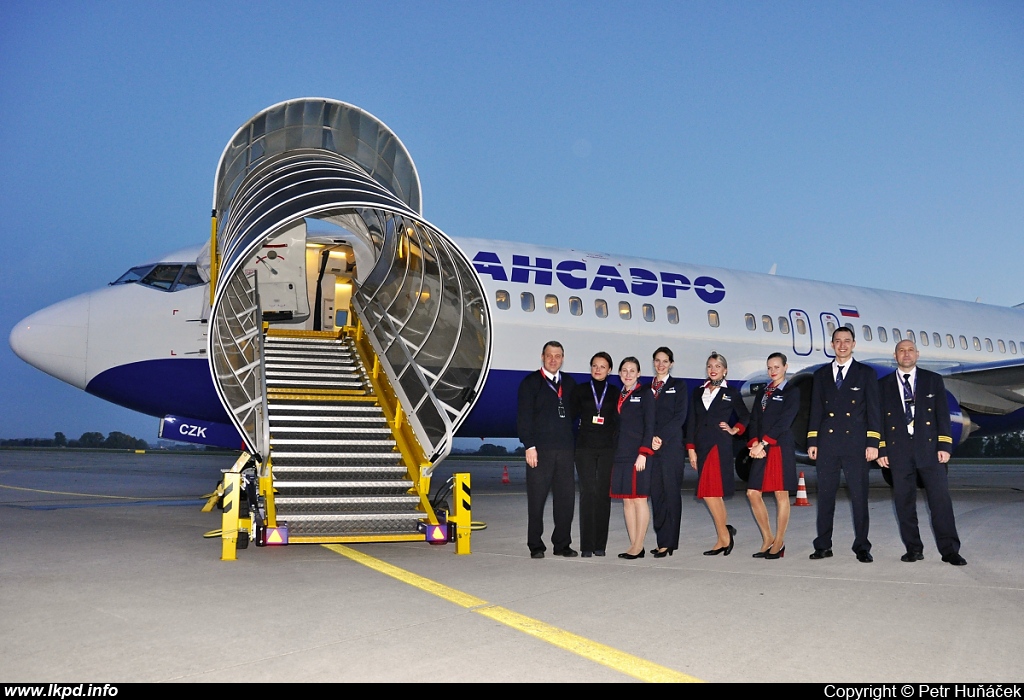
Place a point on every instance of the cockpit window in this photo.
(189, 278)
(170, 277)
(161, 277)
(133, 275)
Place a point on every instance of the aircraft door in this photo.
(803, 338)
(829, 323)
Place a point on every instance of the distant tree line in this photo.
(1008, 445)
(115, 441)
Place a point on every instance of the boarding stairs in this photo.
(338, 472)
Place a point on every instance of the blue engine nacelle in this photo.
(959, 420)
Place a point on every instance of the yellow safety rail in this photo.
(413, 456)
(412, 452)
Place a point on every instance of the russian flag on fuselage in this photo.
(847, 311)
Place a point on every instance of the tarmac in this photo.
(106, 577)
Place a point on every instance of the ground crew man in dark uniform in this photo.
(545, 429)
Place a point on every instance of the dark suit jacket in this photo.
(669, 419)
(702, 431)
(932, 432)
(846, 421)
(774, 424)
(538, 421)
(636, 426)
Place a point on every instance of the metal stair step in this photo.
(336, 472)
(277, 406)
(346, 504)
(376, 488)
(317, 372)
(318, 384)
(322, 429)
(297, 442)
(392, 457)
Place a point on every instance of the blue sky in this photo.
(733, 134)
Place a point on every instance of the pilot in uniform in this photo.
(842, 436)
(917, 442)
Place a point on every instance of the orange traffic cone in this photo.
(801, 492)
(504, 476)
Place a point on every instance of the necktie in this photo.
(839, 378)
(767, 395)
(908, 399)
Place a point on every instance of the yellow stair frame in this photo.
(413, 456)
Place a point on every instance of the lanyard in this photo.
(551, 385)
(598, 402)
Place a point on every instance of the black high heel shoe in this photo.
(761, 554)
(662, 553)
(776, 555)
(732, 533)
(713, 552)
(627, 555)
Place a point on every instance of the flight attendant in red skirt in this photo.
(717, 412)
(631, 481)
(773, 448)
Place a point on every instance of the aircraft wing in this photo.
(994, 388)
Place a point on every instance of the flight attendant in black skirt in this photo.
(709, 443)
(595, 405)
(773, 448)
(669, 459)
(630, 478)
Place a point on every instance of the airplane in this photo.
(317, 219)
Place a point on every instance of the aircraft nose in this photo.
(55, 340)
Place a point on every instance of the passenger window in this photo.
(1002, 347)
(882, 336)
(976, 343)
(751, 323)
(830, 327)
(949, 341)
(910, 334)
(502, 299)
(601, 308)
(924, 338)
(848, 325)
(575, 306)
(963, 342)
(766, 323)
(161, 277)
(551, 304)
(526, 300)
(648, 313)
(937, 339)
(625, 313)
(865, 332)
(1013, 348)
(896, 335)
(988, 344)
(784, 325)
(713, 319)
(673, 314)
(801, 326)
(189, 278)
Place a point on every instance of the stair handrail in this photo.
(434, 451)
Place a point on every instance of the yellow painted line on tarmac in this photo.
(620, 661)
(100, 495)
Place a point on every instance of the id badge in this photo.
(598, 420)
(561, 411)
